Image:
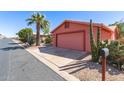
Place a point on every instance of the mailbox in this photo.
(104, 52)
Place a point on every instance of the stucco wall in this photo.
(73, 27)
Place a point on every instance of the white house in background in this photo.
(1, 36)
(42, 35)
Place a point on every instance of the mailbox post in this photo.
(104, 53)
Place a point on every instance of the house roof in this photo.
(113, 28)
(85, 23)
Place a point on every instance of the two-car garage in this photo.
(71, 40)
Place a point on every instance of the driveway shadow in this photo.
(14, 43)
(67, 53)
(11, 48)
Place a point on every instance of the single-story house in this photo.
(1, 36)
(75, 34)
(42, 36)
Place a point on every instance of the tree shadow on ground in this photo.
(14, 43)
(11, 48)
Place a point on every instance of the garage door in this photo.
(71, 41)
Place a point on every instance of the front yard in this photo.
(77, 63)
(92, 72)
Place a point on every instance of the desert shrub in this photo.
(23, 34)
(113, 49)
(48, 40)
(116, 52)
(104, 44)
(26, 35)
(121, 47)
(31, 40)
(42, 41)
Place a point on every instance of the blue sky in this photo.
(11, 22)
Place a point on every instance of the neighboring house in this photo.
(42, 36)
(1, 36)
(75, 34)
(115, 33)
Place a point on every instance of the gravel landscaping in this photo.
(92, 72)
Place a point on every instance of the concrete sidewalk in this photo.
(58, 56)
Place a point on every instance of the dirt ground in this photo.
(92, 72)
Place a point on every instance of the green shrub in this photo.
(42, 41)
(31, 40)
(121, 47)
(23, 34)
(116, 53)
(48, 40)
(104, 44)
(114, 49)
(26, 35)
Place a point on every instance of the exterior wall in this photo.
(73, 27)
(115, 34)
(105, 35)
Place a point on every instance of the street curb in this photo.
(63, 74)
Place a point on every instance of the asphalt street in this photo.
(16, 64)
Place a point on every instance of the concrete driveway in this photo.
(19, 65)
(58, 56)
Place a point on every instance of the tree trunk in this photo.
(38, 34)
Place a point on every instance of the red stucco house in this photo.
(75, 34)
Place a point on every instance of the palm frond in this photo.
(45, 26)
(29, 19)
(30, 23)
(37, 17)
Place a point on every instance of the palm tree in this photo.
(41, 23)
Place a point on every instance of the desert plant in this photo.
(31, 40)
(95, 49)
(24, 33)
(116, 52)
(41, 23)
(48, 39)
(114, 49)
(98, 43)
(121, 47)
(104, 44)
